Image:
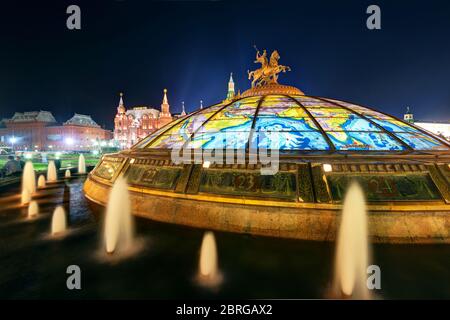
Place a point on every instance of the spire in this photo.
(165, 101)
(121, 100)
(230, 93)
(201, 104)
(183, 112)
(121, 108)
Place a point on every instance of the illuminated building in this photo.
(38, 130)
(136, 123)
(320, 146)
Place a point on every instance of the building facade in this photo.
(133, 124)
(39, 130)
(441, 129)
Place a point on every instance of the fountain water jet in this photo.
(81, 164)
(59, 221)
(25, 197)
(51, 171)
(33, 209)
(29, 178)
(119, 229)
(67, 174)
(352, 248)
(208, 270)
(41, 181)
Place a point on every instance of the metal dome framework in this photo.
(294, 124)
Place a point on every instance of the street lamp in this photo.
(69, 142)
(13, 141)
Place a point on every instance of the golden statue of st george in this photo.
(268, 73)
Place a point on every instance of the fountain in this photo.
(58, 221)
(81, 164)
(352, 248)
(67, 174)
(208, 273)
(51, 172)
(29, 178)
(33, 209)
(41, 181)
(118, 229)
(25, 197)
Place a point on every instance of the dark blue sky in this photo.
(141, 47)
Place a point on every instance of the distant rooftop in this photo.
(81, 120)
(41, 116)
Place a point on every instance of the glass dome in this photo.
(292, 123)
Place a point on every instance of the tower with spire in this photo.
(121, 108)
(165, 106)
(231, 92)
(408, 116)
(183, 112)
(121, 122)
(165, 116)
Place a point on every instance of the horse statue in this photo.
(268, 73)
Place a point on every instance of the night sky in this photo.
(190, 47)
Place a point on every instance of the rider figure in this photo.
(261, 58)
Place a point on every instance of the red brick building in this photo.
(38, 130)
(132, 125)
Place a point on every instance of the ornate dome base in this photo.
(271, 89)
(408, 201)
